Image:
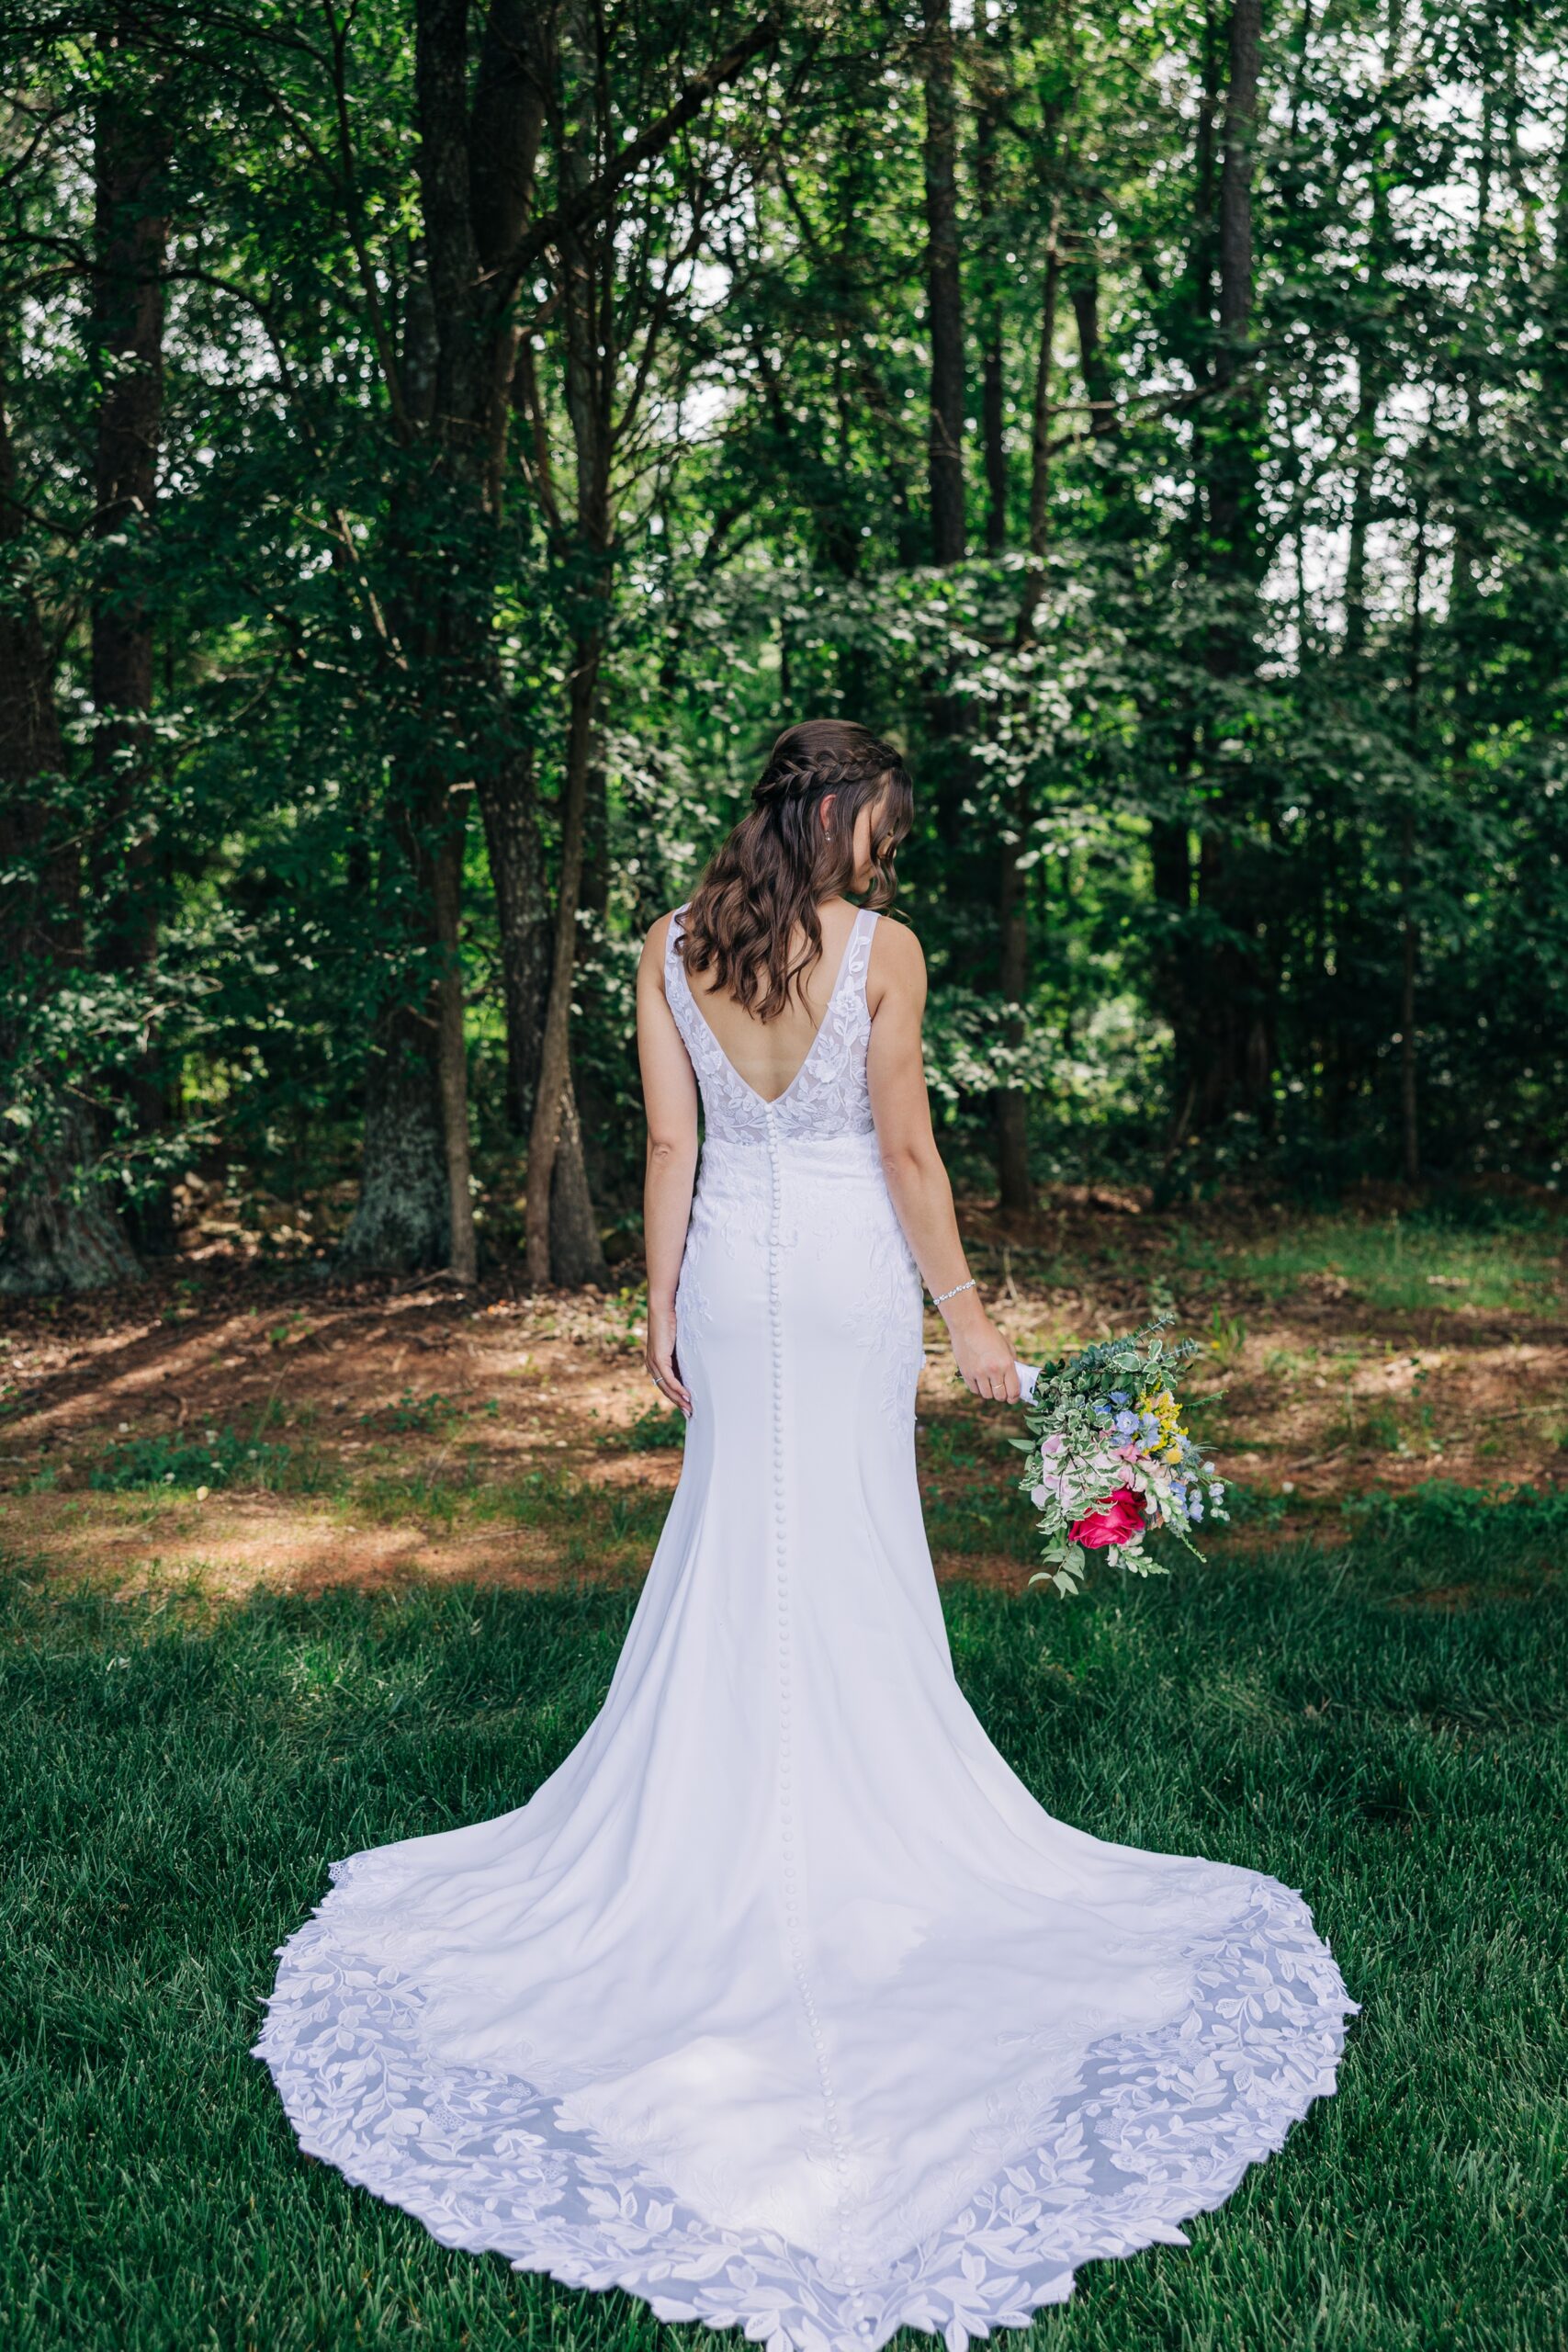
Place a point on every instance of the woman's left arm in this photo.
(670, 1099)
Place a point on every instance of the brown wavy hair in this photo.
(762, 887)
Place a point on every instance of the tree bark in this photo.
(53, 1240)
(452, 1051)
(1099, 389)
(402, 1221)
(1369, 398)
(992, 386)
(516, 865)
(1409, 927)
(1233, 481)
(589, 331)
(555, 1058)
(1015, 1181)
(1233, 1049)
(507, 803)
(130, 239)
(944, 295)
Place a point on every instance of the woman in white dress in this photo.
(781, 2003)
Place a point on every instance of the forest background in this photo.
(442, 443)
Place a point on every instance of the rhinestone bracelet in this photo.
(940, 1297)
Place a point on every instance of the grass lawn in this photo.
(1378, 1718)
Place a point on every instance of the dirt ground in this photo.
(359, 1429)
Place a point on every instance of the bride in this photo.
(783, 2003)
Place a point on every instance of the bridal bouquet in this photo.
(1108, 1463)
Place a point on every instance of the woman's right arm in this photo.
(916, 1178)
(670, 1099)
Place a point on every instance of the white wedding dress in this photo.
(783, 2003)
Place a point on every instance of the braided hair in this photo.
(761, 892)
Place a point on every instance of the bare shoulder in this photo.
(654, 944)
(897, 965)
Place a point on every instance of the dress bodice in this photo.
(828, 1095)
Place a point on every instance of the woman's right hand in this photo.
(985, 1363)
(660, 1358)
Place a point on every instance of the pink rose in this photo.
(1121, 1517)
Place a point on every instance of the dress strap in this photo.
(861, 937)
(673, 962)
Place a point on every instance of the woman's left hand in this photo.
(986, 1362)
(660, 1360)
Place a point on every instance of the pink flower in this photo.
(1121, 1517)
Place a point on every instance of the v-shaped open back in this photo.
(827, 1095)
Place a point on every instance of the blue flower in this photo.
(1127, 1424)
(1120, 1397)
(1195, 1507)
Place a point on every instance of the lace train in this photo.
(1156, 2127)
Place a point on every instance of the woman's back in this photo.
(768, 1054)
(811, 1082)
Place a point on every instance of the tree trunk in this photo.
(1409, 927)
(452, 1057)
(1015, 1181)
(555, 1059)
(516, 865)
(1369, 397)
(576, 1251)
(1233, 478)
(402, 1222)
(62, 1232)
(589, 328)
(946, 444)
(131, 238)
(1234, 1046)
(1099, 390)
(1010, 1103)
(517, 877)
(992, 389)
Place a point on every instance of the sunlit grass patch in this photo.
(1413, 1265)
(210, 1459)
(581, 1523)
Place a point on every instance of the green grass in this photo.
(1412, 1264)
(179, 1773)
(1498, 1255)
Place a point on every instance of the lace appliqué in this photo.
(826, 1096)
(1156, 2127)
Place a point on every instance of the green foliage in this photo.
(1239, 766)
(221, 1458)
(409, 1413)
(654, 1432)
